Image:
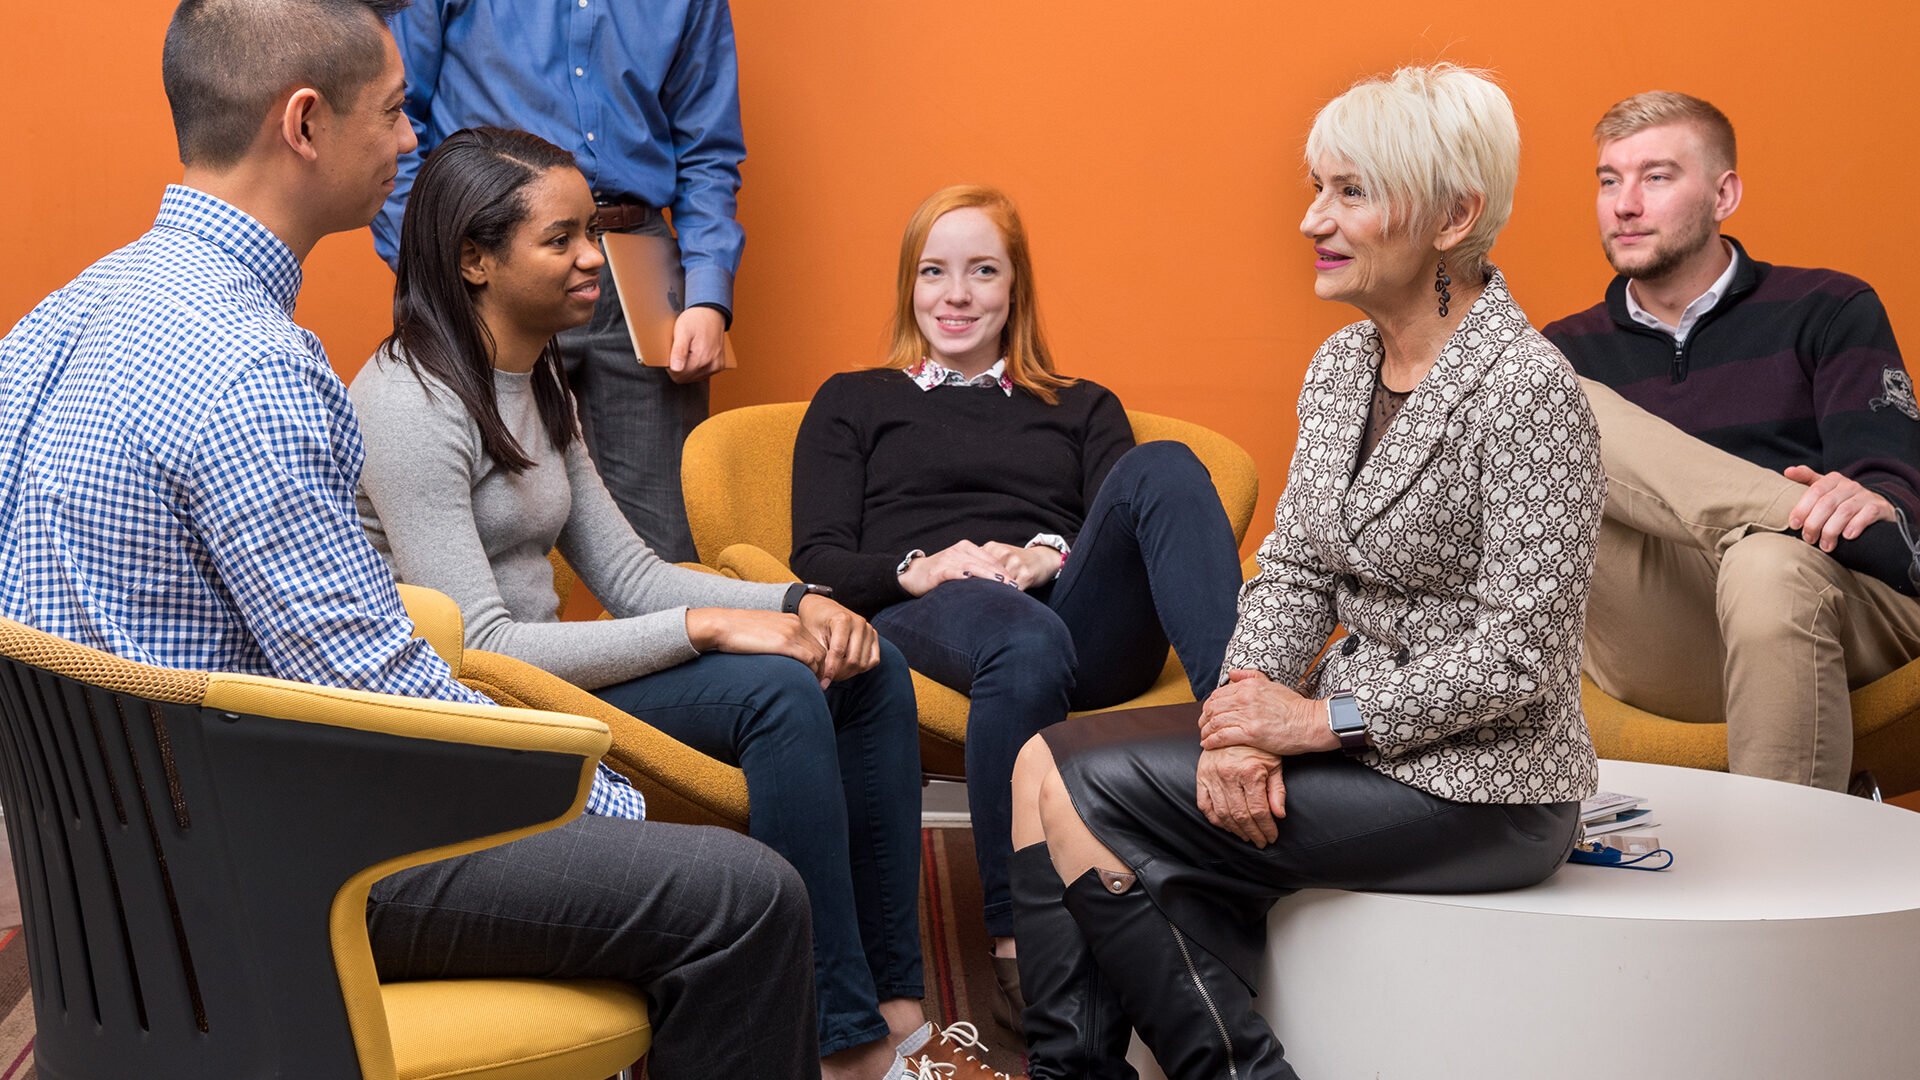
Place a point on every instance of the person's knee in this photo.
(1037, 646)
(1165, 465)
(1032, 766)
(778, 678)
(782, 700)
(766, 892)
(1773, 584)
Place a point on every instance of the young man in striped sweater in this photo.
(1762, 444)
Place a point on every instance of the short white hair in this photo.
(1423, 138)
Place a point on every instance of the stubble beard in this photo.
(1670, 252)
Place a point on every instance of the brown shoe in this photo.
(943, 1055)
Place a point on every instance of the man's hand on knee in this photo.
(1834, 507)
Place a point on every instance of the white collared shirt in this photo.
(929, 373)
(1702, 304)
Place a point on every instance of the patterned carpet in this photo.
(959, 976)
(16, 1009)
(954, 942)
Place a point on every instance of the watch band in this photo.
(798, 591)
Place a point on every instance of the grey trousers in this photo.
(712, 925)
(635, 419)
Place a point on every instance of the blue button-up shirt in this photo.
(177, 470)
(646, 95)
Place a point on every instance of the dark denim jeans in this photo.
(1155, 562)
(834, 780)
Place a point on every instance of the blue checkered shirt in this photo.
(177, 468)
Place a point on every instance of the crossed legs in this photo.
(1706, 608)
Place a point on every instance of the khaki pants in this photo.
(1704, 609)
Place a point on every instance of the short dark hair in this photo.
(226, 61)
(473, 187)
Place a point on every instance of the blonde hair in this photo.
(1422, 139)
(1656, 108)
(1029, 364)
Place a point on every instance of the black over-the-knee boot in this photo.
(1073, 1021)
(1191, 1010)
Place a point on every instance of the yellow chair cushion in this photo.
(515, 1029)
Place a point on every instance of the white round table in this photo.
(1784, 942)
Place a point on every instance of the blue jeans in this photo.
(1154, 562)
(834, 780)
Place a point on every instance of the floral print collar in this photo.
(929, 373)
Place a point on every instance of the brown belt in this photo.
(626, 216)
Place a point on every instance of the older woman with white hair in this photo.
(1442, 506)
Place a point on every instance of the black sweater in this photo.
(1792, 367)
(882, 467)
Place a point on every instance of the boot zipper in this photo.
(1206, 999)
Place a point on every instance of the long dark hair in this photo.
(472, 187)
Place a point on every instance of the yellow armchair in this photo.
(737, 473)
(681, 784)
(194, 853)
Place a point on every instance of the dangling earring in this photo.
(1440, 283)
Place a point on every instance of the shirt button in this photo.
(583, 3)
(579, 71)
(589, 136)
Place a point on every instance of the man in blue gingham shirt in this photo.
(177, 466)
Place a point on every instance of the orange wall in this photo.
(1155, 157)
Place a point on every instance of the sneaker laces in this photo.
(963, 1035)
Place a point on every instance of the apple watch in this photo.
(1343, 716)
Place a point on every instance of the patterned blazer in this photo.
(1458, 559)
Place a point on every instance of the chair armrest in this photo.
(750, 563)
(680, 783)
(366, 785)
(409, 717)
(437, 618)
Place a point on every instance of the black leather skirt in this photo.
(1131, 777)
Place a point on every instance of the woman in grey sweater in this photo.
(475, 469)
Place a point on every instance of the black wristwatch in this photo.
(799, 591)
(1343, 716)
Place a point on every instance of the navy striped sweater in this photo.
(1792, 367)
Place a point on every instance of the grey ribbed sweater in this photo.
(446, 516)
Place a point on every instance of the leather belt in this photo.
(626, 216)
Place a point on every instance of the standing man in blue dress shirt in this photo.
(177, 472)
(647, 98)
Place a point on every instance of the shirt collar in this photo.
(253, 244)
(1702, 304)
(929, 373)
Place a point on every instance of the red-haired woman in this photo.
(996, 521)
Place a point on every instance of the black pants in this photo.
(712, 925)
(1131, 776)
